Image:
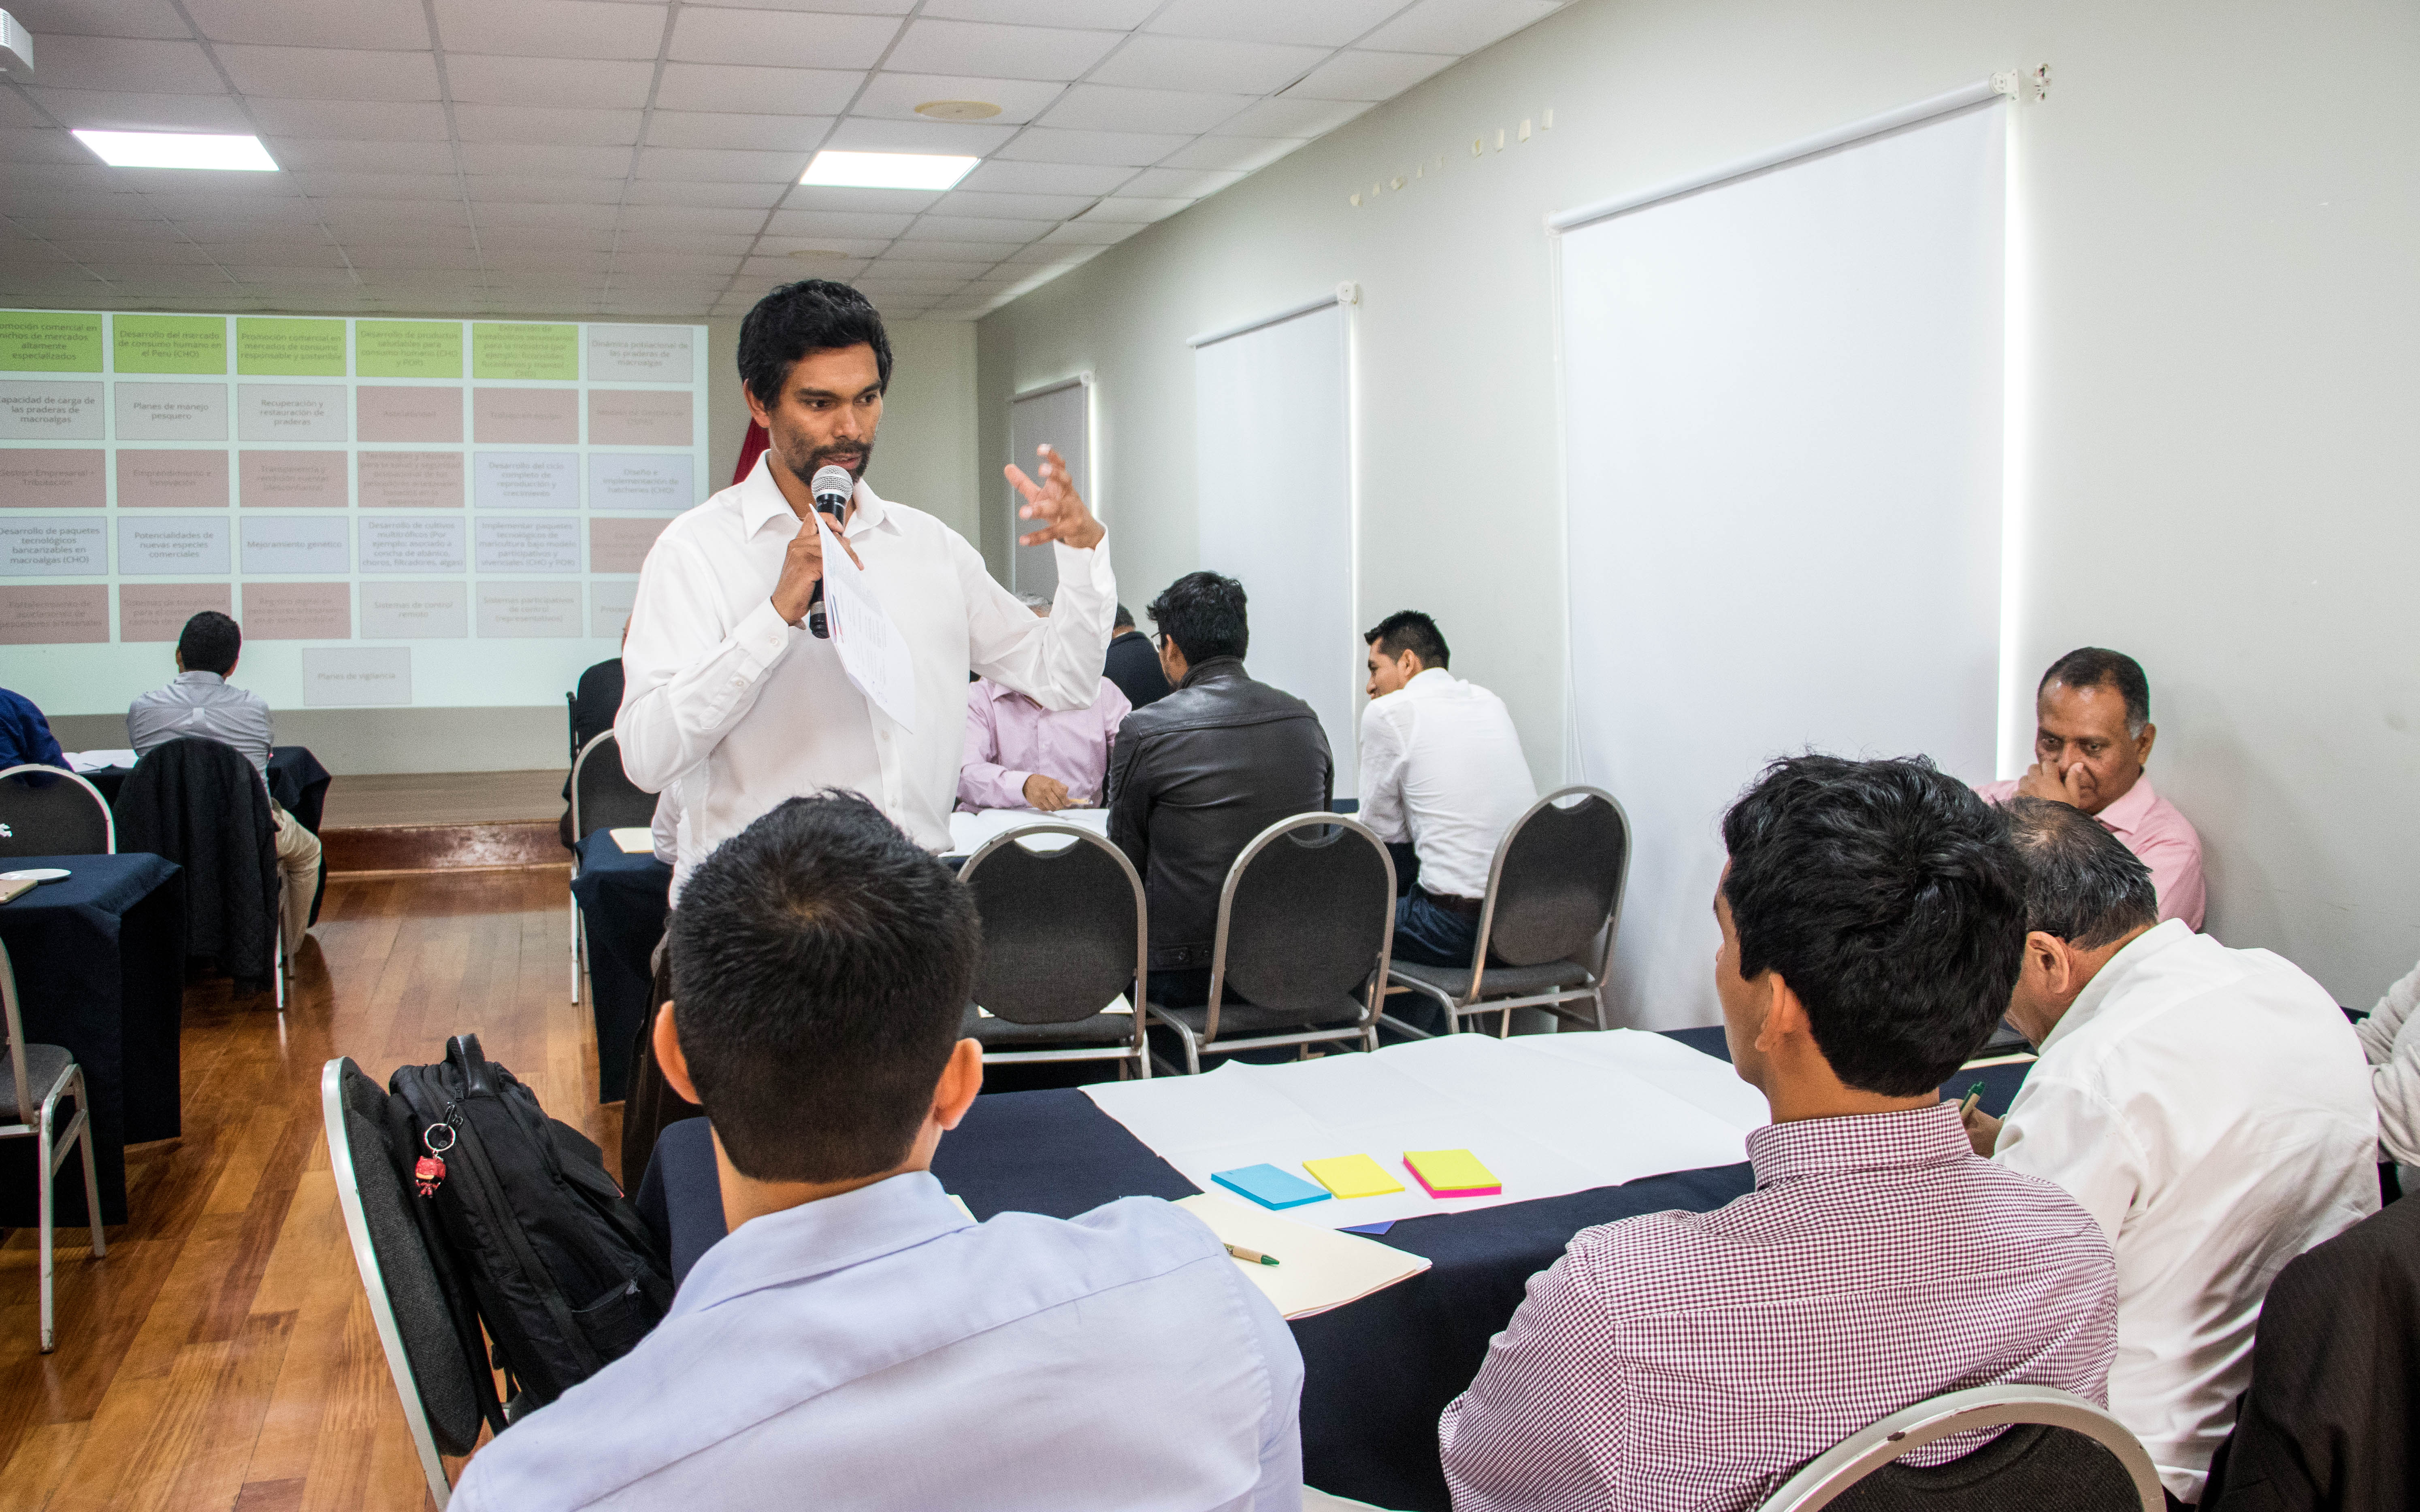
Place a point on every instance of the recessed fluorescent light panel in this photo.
(883, 170)
(178, 149)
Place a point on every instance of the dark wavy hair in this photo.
(815, 315)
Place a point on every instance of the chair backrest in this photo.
(432, 1376)
(1556, 879)
(1065, 929)
(2078, 1459)
(47, 812)
(602, 795)
(1307, 912)
(571, 724)
(25, 1107)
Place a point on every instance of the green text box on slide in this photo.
(408, 349)
(501, 351)
(289, 348)
(170, 343)
(49, 341)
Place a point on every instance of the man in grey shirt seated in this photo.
(857, 1339)
(199, 701)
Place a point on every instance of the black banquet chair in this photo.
(2060, 1452)
(443, 1402)
(1065, 932)
(1305, 921)
(602, 798)
(1546, 925)
(46, 810)
(36, 1080)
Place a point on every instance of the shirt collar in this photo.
(212, 679)
(1433, 677)
(815, 1239)
(761, 500)
(2104, 983)
(1861, 1141)
(2126, 815)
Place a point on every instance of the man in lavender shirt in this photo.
(1020, 755)
(2093, 714)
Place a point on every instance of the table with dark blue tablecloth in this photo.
(1375, 1373)
(296, 780)
(623, 900)
(100, 958)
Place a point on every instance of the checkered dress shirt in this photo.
(1685, 1360)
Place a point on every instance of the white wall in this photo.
(925, 454)
(2215, 215)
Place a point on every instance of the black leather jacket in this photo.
(1193, 777)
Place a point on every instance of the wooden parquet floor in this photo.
(222, 1355)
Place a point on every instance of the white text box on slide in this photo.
(54, 546)
(1545, 1124)
(351, 676)
(51, 409)
(412, 543)
(171, 546)
(525, 480)
(415, 611)
(297, 543)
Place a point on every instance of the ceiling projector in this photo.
(16, 48)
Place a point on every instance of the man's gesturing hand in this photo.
(803, 567)
(1058, 514)
(1047, 792)
(2073, 787)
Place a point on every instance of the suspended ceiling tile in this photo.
(293, 277)
(786, 269)
(415, 186)
(1456, 26)
(996, 176)
(853, 7)
(1043, 207)
(715, 34)
(732, 196)
(222, 189)
(897, 95)
(101, 17)
(1130, 149)
(957, 229)
(356, 120)
(127, 63)
(727, 221)
(548, 125)
(292, 210)
(536, 158)
(835, 223)
(400, 235)
(510, 213)
(676, 262)
(1291, 117)
(1105, 15)
(295, 254)
(132, 254)
(891, 264)
(329, 72)
(761, 134)
(866, 201)
(1327, 24)
(378, 24)
(1182, 183)
(1140, 210)
(1371, 76)
(412, 258)
(16, 110)
(544, 259)
(1089, 232)
(778, 245)
(720, 165)
(104, 110)
(526, 187)
(584, 84)
(988, 50)
(665, 238)
(305, 154)
(346, 215)
(1242, 154)
(565, 238)
(19, 144)
(1187, 63)
(725, 87)
(858, 134)
(1089, 107)
(551, 28)
(94, 228)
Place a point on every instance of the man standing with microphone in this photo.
(732, 703)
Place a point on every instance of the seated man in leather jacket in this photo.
(1195, 776)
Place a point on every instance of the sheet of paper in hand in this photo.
(870, 651)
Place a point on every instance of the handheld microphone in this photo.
(831, 487)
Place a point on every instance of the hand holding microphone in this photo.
(799, 592)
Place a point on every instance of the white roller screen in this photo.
(1063, 417)
(1784, 431)
(1272, 436)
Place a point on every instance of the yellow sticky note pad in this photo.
(1352, 1176)
(1452, 1173)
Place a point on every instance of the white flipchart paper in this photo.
(1548, 1114)
(871, 652)
(971, 831)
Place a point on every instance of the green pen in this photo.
(1974, 1095)
(1250, 1256)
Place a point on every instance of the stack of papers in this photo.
(970, 832)
(1318, 1270)
(1544, 1114)
(636, 840)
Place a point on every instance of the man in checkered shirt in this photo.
(1872, 916)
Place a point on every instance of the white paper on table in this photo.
(95, 761)
(870, 651)
(1318, 1270)
(1711, 1085)
(970, 832)
(636, 840)
(1545, 1124)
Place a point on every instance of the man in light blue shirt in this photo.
(199, 701)
(857, 1341)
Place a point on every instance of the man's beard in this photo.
(803, 462)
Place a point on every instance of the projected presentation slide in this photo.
(440, 513)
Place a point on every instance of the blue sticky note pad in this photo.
(1367, 1228)
(1270, 1187)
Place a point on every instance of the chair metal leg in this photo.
(91, 1172)
(42, 1197)
(575, 952)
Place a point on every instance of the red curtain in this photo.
(749, 450)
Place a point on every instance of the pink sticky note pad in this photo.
(1452, 1173)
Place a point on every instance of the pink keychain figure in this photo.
(430, 1169)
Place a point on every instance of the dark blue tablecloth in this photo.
(622, 899)
(100, 958)
(1375, 1373)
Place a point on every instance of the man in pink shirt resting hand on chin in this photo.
(1020, 755)
(2094, 733)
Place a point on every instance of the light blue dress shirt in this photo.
(876, 1351)
(206, 705)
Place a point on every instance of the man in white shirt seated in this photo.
(857, 1340)
(1442, 768)
(199, 701)
(1020, 755)
(2209, 1106)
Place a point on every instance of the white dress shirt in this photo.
(1441, 766)
(2211, 1108)
(744, 711)
(878, 1352)
(2390, 1037)
(205, 705)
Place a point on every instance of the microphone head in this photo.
(831, 487)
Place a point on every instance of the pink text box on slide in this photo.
(410, 480)
(293, 480)
(640, 417)
(399, 414)
(53, 614)
(158, 611)
(172, 479)
(297, 611)
(513, 416)
(48, 477)
(620, 545)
